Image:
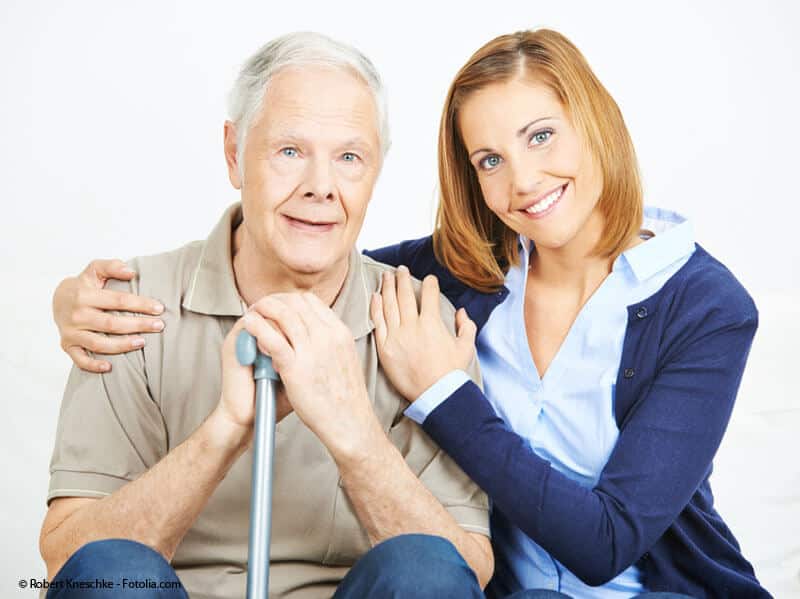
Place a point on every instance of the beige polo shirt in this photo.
(113, 427)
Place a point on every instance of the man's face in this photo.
(310, 162)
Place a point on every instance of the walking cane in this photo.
(263, 449)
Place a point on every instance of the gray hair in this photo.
(296, 49)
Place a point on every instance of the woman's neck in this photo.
(573, 268)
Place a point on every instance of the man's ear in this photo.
(231, 158)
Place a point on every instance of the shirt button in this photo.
(641, 312)
(628, 373)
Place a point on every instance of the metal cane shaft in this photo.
(261, 490)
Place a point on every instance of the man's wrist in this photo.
(368, 442)
(223, 434)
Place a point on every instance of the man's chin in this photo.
(310, 265)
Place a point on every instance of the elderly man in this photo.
(148, 479)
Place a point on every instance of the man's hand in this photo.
(414, 346)
(80, 307)
(237, 406)
(314, 353)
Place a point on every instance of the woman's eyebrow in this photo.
(522, 130)
(520, 133)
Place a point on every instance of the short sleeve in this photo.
(110, 430)
(459, 495)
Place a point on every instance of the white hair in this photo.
(298, 49)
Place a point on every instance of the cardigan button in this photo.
(641, 312)
(628, 373)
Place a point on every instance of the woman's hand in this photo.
(80, 307)
(415, 347)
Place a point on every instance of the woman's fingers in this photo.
(116, 324)
(406, 300)
(100, 271)
(465, 331)
(391, 312)
(376, 312)
(102, 344)
(429, 300)
(85, 362)
(105, 299)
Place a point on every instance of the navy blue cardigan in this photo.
(683, 356)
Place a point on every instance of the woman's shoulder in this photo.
(406, 252)
(705, 288)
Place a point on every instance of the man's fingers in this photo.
(116, 324)
(106, 299)
(429, 301)
(285, 316)
(406, 300)
(102, 344)
(269, 340)
(465, 331)
(391, 312)
(376, 312)
(85, 362)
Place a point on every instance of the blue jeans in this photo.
(418, 566)
(545, 594)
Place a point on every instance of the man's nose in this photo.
(319, 182)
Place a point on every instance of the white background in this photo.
(111, 146)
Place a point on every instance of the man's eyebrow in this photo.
(357, 141)
(520, 132)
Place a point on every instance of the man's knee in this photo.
(121, 563)
(412, 565)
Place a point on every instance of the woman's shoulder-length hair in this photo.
(469, 239)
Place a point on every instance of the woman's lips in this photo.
(552, 206)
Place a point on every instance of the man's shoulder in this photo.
(373, 272)
(163, 275)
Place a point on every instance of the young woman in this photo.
(611, 345)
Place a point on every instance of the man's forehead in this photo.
(302, 97)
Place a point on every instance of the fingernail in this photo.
(138, 342)
(158, 308)
(128, 271)
(157, 325)
(105, 366)
(402, 268)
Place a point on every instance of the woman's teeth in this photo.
(546, 202)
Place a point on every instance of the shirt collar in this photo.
(673, 240)
(212, 289)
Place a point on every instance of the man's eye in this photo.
(289, 152)
(349, 157)
(490, 162)
(540, 137)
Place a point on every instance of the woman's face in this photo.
(535, 172)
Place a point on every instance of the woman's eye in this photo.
(349, 157)
(540, 137)
(490, 162)
(289, 152)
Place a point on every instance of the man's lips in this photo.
(309, 224)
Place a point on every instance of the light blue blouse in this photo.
(568, 415)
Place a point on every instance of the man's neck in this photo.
(258, 275)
